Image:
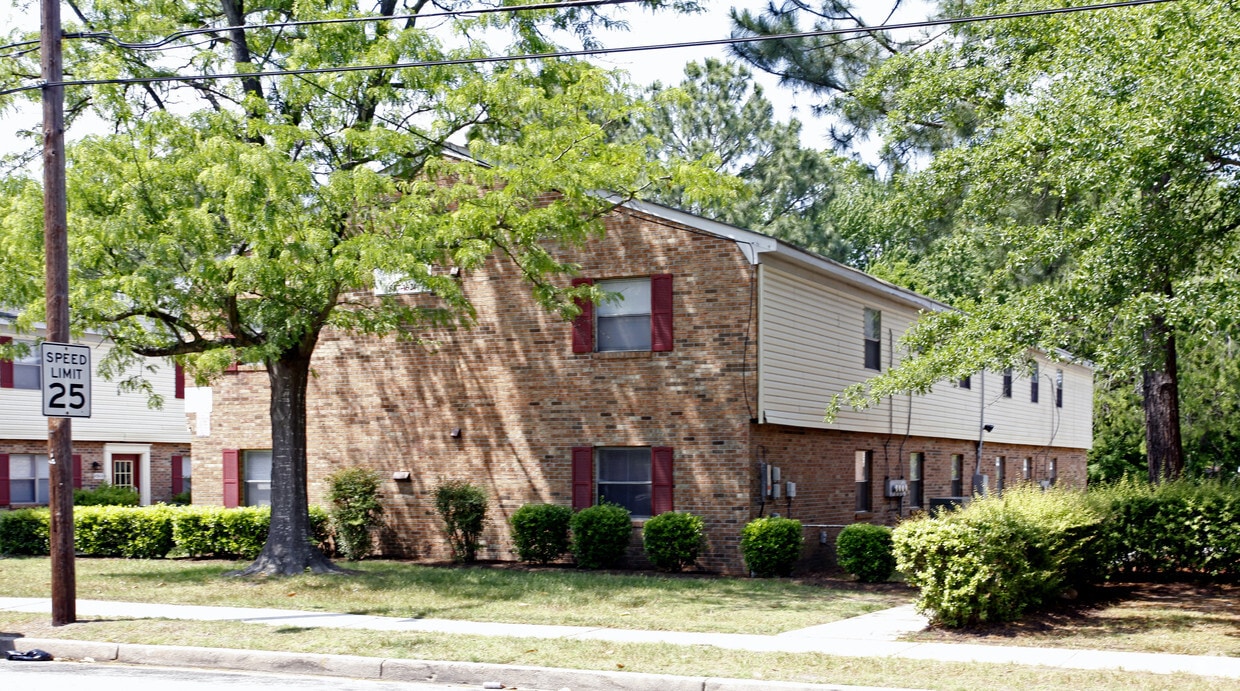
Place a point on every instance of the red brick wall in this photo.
(92, 452)
(523, 400)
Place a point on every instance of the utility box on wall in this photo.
(895, 488)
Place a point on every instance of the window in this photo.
(966, 383)
(28, 478)
(957, 475)
(1026, 471)
(1000, 470)
(181, 468)
(23, 372)
(257, 491)
(916, 475)
(1033, 384)
(1052, 470)
(396, 283)
(125, 470)
(873, 328)
(1007, 383)
(639, 478)
(865, 472)
(637, 316)
(1059, 388)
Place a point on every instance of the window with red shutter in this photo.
(6, 376)
(178, 481)
(583, 477)
(232, 472)
(178, 382)
(77, 471)
(583, 325)
(4, 479)
(661, 480)
(662, 336)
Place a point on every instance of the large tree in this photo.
(229, 220)
(719, 114)
(1093, 163)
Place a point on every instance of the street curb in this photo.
(360, 667)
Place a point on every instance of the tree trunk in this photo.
(290, 548)
(1161, 401)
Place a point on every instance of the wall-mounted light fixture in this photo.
(94, 465)
(456, 433)
(988, 428)
(401, 476)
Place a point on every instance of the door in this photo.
(125, 468)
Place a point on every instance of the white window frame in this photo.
(27, 366)
(246, 482)
(39, 461)
(635, 307)
(648, 483)
(872, 338)
(143, 451)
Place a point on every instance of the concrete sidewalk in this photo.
(870, 635)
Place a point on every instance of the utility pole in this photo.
(56, 288)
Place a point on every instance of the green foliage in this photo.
(1001, 555)
(463, 508)
(181, 499)
(865, 551)
(771, 546)
(354, 494)
(106, 495)
(601, 535)
(1172, 529)
(540, 531)
(134, 532)
(24, 532)
(673, 540)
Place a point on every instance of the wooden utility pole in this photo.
(56, 254)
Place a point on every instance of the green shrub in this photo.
(321, 529)
(106, 495)
(673, 540)
(771, 546)
(354, 494)
(865, 551)
(219, 533)
(24, 532)
(181, 499)
(601, 535)
(540, 531)
(999, 556)
(1173, 528)
(463, 508)
(133, 532)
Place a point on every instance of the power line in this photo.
(595, 51)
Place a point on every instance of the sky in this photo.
(646, 28)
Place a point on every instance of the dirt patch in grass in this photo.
(1183, 618)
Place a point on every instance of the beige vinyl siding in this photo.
(115, 417)
(811, 347)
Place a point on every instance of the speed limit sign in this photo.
(66, 379)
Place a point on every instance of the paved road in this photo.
(115, 677)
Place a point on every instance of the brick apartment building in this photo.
(713, 370)
(124, 442)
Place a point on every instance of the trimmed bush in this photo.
(673, 540)
(354, 494)
(218, 533)
(1000, 556)
(865, 551)
(601, 535)
(106, 495)
(771, 546)
(24, 532)
(123, 531)
(463, 508)
(540, 532)
(1173, 528)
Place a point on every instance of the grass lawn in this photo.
(562, 596)
(542, 596)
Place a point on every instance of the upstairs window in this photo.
(1058, 388)
(637, 316)
(1033, 384)
(23, 372)
(1007, 383)
(966, 383)
(872, 326)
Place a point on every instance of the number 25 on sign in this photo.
(66, 379)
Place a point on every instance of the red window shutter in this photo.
(178, 482)
(661, 335)
(179, 379)
(6, 382)
(583, 477)
(4, 479)
(583, 325)
(77, 471)
(661, 480)
(232, 473)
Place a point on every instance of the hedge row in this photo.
(1009, 553)
(151, 532)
